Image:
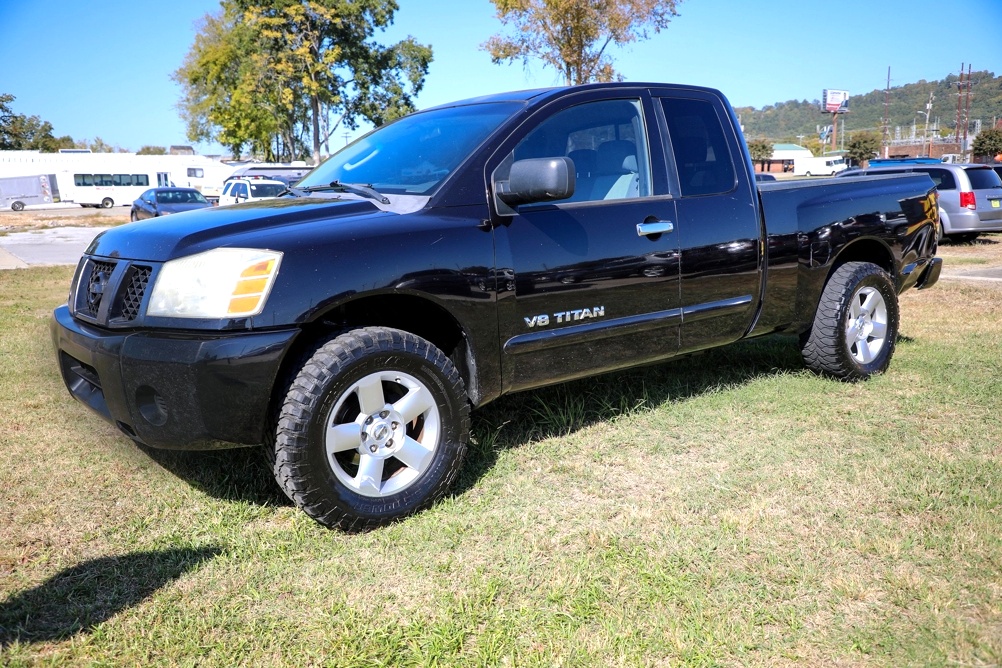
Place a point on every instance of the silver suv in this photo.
(970, 196)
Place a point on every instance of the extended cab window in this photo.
(699, 145)
(605, 141)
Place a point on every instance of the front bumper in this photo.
(178, 390)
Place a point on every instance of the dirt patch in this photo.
(63, 216)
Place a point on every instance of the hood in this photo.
(262, 224)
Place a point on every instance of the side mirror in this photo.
(537, 180)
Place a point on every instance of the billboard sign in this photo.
(835, 101)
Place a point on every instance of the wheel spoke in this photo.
(414, 454)
(864, 352)
(414, 403)
(879, 331)
(855, 307)
(341, 437)
(871, 300)
(370, 394)
(370, 475)
(852, 331)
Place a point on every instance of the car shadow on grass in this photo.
(79, 598)
(236, 474)
(560, 410)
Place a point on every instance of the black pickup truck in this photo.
(489, 246)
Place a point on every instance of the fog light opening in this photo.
(152, 406)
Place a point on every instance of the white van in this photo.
(823, 166)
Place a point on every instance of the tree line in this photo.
(19, 132)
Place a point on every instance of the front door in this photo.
(590, 283)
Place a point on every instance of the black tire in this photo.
(17, 206)
(856, 324)
(133, 217)
(107, 203)
(412, 435)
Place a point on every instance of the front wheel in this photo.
(373, 428)
(856, 324)
(17, 206)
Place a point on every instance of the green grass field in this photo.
(725, 509)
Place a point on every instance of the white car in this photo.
(250, 190)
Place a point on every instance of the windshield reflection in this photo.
(414, 155)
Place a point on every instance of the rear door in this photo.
(719, 230)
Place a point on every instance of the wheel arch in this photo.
(865, 250)
(414, 314)
(812, 284)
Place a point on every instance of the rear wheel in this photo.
(17, 206)
(373, 428)
(107, 203)
(856, 324)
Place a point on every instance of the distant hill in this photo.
(782, 122)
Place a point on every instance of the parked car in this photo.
(162, 201)
(970, 196)
(251, 190)
(762, 176)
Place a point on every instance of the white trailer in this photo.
(17, 192)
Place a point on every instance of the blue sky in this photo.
(101, 68)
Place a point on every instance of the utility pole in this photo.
(967, 108)
(960, 93)
(925, 135)
(886, 124)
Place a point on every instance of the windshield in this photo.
(180, 197)
(415, 154)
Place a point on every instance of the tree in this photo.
(26, 133)
(988, 143)
(572, 35)
(152, 150)
(760, 151)
(862, 146)
(272, 72)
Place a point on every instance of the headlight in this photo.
(220, 283)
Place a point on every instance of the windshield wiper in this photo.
(353, 188)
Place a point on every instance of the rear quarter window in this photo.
(942, 178)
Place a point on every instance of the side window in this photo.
(240, 190)
(606, 142)
(195, 172)
(699, 145)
